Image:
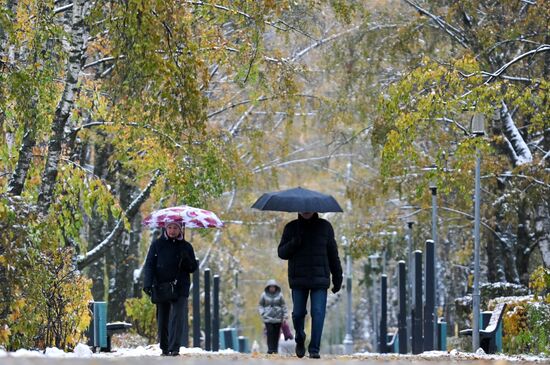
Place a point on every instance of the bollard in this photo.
(216, 314)
(417, 340)
(207, 319)
(429, 307)
(196, 309)
(228, 339)
(441, 335)
(244, 344)
(382, 342)
(402, 317)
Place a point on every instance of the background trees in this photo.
(112, 109)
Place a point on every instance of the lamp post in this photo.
(375, 265)
(433, 189)
(411, 278)
(478, 130)
(348, 339)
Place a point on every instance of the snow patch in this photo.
(54, 352)
(82, 350)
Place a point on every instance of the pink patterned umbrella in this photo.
(188, 216)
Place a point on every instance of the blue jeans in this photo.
(318, 308)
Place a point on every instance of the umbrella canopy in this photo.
(185, 215)
(297, 200)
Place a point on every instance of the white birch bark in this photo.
(542, 232)
(66, 104)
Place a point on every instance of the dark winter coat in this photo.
(162, 262)
(312, 254)
(272, 306)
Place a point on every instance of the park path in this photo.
(204, 359)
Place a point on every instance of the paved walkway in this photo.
(203, 359)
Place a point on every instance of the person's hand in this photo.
(148, 290)
(336, 288)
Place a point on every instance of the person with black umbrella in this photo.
(309, 246)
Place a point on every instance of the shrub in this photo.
(44, 297)
(539, 283)
(142, 313)
(527, 324)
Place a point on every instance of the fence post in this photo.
(402, 326)
(196, 308)
(216, 315)
(417, 340)
(207, 318)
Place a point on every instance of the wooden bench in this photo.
(490, 338)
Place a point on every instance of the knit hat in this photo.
(167, 223)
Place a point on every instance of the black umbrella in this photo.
(297, 200)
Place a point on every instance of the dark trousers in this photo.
(273, 332)
(170, 320)
(318, 299)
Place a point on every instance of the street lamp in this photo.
(478, 130)
(348, 339)
(410, 289)
(433, 189)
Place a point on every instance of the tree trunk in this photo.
(17, 181)
(542, 208)
(496, 271)
(96, 226)
(523, 243)
(65, 105)
(125, 255)
(542, 230)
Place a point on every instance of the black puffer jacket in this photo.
(312, 254)
(162, 263)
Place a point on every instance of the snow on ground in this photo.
(83, 351)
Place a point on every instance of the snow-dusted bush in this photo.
(45, 298)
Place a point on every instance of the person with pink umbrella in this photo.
(169, 263)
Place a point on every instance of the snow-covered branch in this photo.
(336, 36)
(248, 101)
(497, 73)
(102, 60)
(301, 160)
(518, 149)
(454, 32)
(97, 251)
